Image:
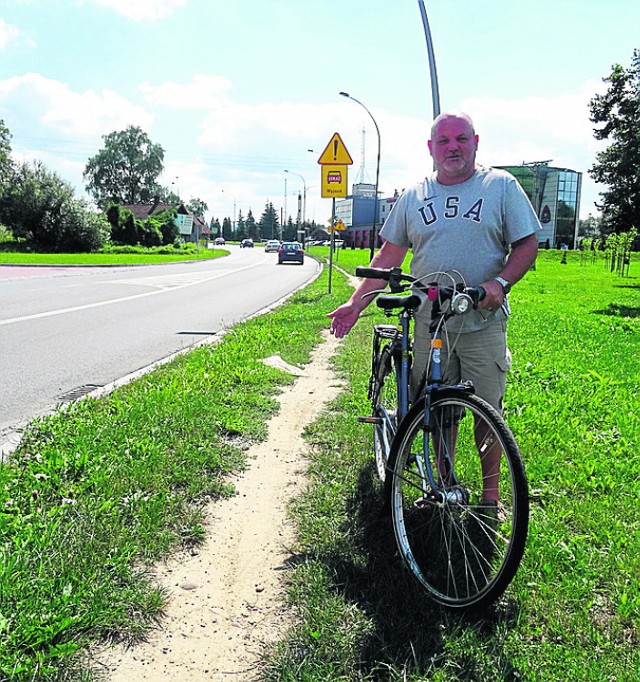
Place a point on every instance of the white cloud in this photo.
(62, 128)
(202, 92)
(8, 32)
(557, 129)
(511, 131)
(50, 103)
(141, 10)
(244, 148)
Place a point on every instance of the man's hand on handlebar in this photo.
(494, 297)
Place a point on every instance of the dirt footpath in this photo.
(226, 597)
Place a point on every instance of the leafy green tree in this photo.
(269, 223)
(40, 207)
(124, 227)
(126, 170)
(6, 163)
(159, 229)
(617, 113)
(166, 223)
(197, 207)
(590, 227)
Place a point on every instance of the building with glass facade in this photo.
(555, 196)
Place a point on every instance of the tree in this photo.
(197, 207)
(41, 208)
(290, 231)
(126, 170)
(158, 229)
(590, 227)
(214, 227)
(6, 164)
(251, 226)
(227, 229)
(618, 166)
(269, 223)
(240, 227)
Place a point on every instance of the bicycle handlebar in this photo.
(399, 281)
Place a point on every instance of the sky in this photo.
(238, 91)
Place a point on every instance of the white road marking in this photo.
(161, 285)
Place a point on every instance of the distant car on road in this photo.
(291, 252)
(219, 241)
(272, 246)
(246, 244)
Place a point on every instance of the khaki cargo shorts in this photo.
(481, 357)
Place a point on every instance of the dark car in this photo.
(291, 252)
(246, 244)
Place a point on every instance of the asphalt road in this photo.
(67, 330)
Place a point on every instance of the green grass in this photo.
(573, 612)
(95, 495)
(144, 257)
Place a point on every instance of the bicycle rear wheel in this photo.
(464, 550)
(384, 407)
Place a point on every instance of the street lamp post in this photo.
(233, 225)
(435, 92)
(304, 196)
(375, 204)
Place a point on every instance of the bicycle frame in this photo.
(449, 491)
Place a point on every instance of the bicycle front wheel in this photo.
(384, 408)
(449, 469)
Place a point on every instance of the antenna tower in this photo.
(362, 174)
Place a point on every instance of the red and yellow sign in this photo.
(338, 227)
(334, 181)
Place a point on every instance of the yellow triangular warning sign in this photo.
(335, 153)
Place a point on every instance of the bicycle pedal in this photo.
(370, 420)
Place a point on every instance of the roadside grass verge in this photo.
(94, 495)
(573, 611)
(113, 256)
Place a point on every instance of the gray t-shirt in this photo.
(464, 230)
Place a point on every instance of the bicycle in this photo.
(441, 454)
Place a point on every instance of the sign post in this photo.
(334, 161)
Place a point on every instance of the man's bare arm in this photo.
(519, 261)
(344, 317)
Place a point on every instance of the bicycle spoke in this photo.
(461, 546)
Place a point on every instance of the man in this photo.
(474, 223)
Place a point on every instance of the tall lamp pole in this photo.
(304, 196)
(435, 91)
(233, 225)
(375, 204)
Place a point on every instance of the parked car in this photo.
(291, 252)
(272, 246)
(246, 244)
(219, 241)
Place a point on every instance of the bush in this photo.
(40, 208)
(150, 234)
(157, 230)
(5, 234)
